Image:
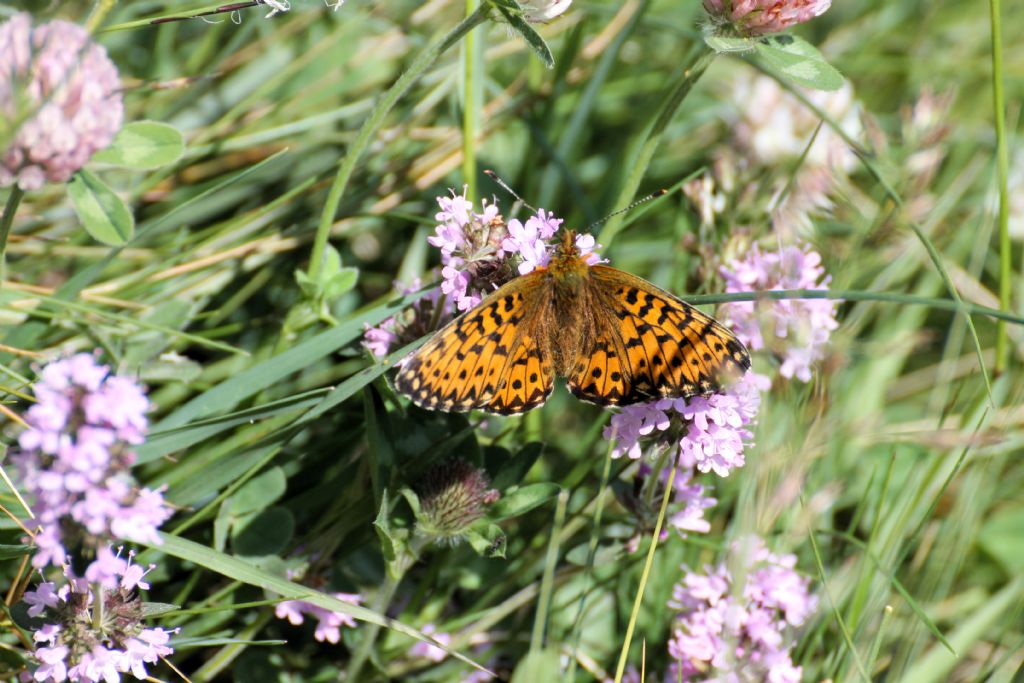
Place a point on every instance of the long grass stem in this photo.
(669, 106)
(638, 601)
(472, 94)
(1002, 172)
(373, 123)
(10, 208)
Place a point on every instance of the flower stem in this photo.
(1002, 170)
(638, 165)
(13, 200)
(394, 575)
(97, 607)
(540, 619)
(374, 122)
(624, 654)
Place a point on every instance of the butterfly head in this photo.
(566, 264)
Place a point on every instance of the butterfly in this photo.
(616, 338)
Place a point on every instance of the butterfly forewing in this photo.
(486, 359)
(651, 345)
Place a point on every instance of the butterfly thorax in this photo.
(566, 268)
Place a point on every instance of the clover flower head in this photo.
(543, 11)
(411, 324)
(759, 17)
(63, 94)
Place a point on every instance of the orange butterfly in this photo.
(617, 339)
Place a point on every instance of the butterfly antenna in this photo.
(653, 195)
(494, 176)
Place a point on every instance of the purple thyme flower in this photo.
(758, 17)
(690, 500)
(74, 646)
(724, 635)
(479, 250)
(470, 245)
(428, 651)
(74, 461)
(419, 319)
(67, 92)
(797, 329)
(328, 622)
(714, 427)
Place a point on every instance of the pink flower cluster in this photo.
(715, 427)
(74, 461)
(724, 634)
(759, 17)
(709, 433)
(797, 329)
(64, 91)
(328, 622)
(393, 332)
(475, 247)
(74, 647)
(426, 650)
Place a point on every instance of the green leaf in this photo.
(259, 493)
(605, 554)
(9, 551)
(382, 525)
(524, 29)
(221, 526)
(1002, 537)
(542, 665)
(799, 61)
(265, 533)
(143, 145)
(155, 609)
(487, 541)
(333, 280)
(414, 502)
(523, 500)
(510, 471)
(724, 44)
(103, 214)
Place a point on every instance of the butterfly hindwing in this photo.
(469, 363)
(658, 345)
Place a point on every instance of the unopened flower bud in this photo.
(453, 495)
